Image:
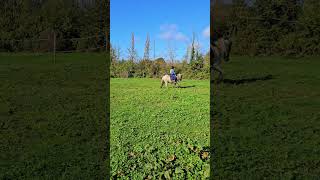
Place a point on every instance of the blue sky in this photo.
(168, 22)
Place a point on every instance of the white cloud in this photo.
(170, 27)
(206, 32)
(171, 32)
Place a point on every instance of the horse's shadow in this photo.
(248, 80)
(183, 87)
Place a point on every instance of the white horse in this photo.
(166, 79)
(221, 50)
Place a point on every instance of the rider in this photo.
(173, 74)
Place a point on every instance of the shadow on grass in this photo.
(183, 87)
(248, 80)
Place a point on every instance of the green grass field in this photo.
(52, 117)
(52, 121)
(269, 127)
(267, 123)
(159, 133)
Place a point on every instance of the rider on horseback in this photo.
(173, 76)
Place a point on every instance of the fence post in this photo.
(54, 48)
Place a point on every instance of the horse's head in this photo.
(228, 42)
(223, 46)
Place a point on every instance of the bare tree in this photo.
(115, 53)
(171, 53)
(132, 51)
(147, 49)
(119, 53)
(189, 51)
(186, 56)
(154, 49)
(193, 51)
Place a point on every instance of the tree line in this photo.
(264, 27)
(193, 65)
(271, 27)
(24, 22)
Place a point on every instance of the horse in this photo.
(166, 79)
(221, 51)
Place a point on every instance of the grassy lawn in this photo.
(159, 133)
(52, 121)
(52, 117)
(267, 119)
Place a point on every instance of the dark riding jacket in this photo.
(173, 75)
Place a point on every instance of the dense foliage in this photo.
(193, 65)
(271, 27)
(198, 69)
(24, 20)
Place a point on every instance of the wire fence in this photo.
(46, 45)
(54, 45)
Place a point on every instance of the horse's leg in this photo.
(220, 77)
(177, 82)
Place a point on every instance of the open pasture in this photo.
(159, 132)
(52, 116)
(266, 123)
(267, 119)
